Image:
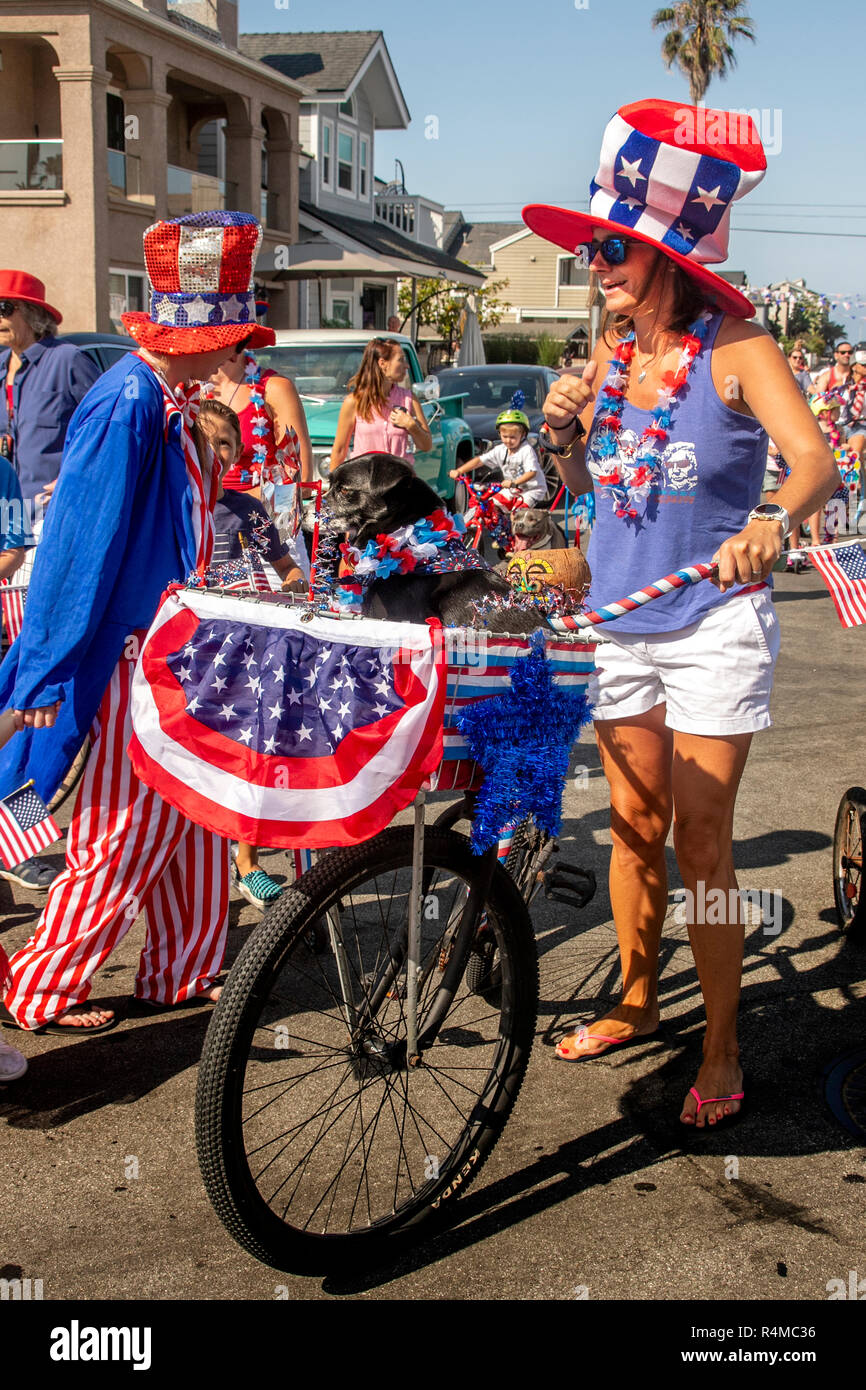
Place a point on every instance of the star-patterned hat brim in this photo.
(573, 229)
(177, 342)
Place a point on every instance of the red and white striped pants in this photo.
(127, 851)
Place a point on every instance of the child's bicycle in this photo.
(488, 519)
(374, 1031)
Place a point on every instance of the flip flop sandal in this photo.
(583, 1033)
(66, 1029)
(724, 1121)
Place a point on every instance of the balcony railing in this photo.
(399, 212)
(26, 164)
(189, 191)
(124, 174)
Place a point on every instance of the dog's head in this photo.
(376, 493)
(529, 525)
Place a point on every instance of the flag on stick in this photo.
(843, 569)
(26, 826)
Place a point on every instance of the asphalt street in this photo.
(593, 1190)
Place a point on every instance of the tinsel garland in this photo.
(485, 513)
(523, 739)
(631, 495)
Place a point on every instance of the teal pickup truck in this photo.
(321, 363)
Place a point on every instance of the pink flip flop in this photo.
(582, 1034)
(723, 1119)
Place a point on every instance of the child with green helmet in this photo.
(514, 456)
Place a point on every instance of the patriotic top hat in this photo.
(201, 274)
(17, 284)
(668, 175)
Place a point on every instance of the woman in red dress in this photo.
(269, 409)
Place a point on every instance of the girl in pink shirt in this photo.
(383, 415)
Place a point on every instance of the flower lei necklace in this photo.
(287, 459)
(431, 545)
(631, 494)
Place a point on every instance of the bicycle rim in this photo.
(317, 1138)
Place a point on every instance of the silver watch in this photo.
(771, 511)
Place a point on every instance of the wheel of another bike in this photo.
(848, 841)
(318, 1142)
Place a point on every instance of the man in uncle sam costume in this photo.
(130, 514)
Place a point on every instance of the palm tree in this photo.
(700, 39)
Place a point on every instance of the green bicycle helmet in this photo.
(513, 417)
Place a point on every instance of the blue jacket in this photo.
(48, 386)
(118, 529)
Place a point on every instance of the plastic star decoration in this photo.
(522, 739)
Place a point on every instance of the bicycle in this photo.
(848, 838)
(374, 1032)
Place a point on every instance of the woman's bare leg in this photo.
(636, 755)
(706, 777)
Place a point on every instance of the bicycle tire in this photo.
(848, 838)
(230, 1070)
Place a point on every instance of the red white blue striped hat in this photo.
(201, 274)
(668, 174)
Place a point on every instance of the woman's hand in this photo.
(569, 396)
(401, 419)
(750, 556)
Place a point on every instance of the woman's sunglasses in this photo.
(613, 249)
(8, 307)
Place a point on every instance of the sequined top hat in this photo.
(668, 174)
(200, 269)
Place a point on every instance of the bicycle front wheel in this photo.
(319, 1138)
(848, 840)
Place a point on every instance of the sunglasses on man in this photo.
(613, 250)
(844, 352)
(8, 307)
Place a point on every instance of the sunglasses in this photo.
(844, 352)
(613, 250)
(8, 307)
(797, 357)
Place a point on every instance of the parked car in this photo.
(322, 362)
(489, 390)
(104, 348)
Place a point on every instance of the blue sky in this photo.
(522, 91)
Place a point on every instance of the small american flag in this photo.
(12, 601)
(843, 569)
(26, 826)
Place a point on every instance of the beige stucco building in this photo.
(114, 113)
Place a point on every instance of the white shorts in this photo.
(715, 676)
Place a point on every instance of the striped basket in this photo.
(478, 674)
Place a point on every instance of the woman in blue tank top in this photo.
(668, 423)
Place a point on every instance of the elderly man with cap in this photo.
(131, 512)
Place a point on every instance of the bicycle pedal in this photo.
(566, 883)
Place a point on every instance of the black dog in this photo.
(375, 494)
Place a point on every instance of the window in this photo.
(362, 190)
(326, 154)
(341, 310)
(570, 273)
(125, 295)
(347, 108)
(346, 162)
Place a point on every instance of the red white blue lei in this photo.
(631, 494)
(432, 545)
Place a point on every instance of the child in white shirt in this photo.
(524, 481)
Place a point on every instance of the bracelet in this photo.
(561, 450)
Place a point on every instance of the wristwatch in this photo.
(771, 511)
(560, 449)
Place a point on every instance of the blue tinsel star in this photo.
(522, 740)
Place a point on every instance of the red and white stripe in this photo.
(127, 852)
